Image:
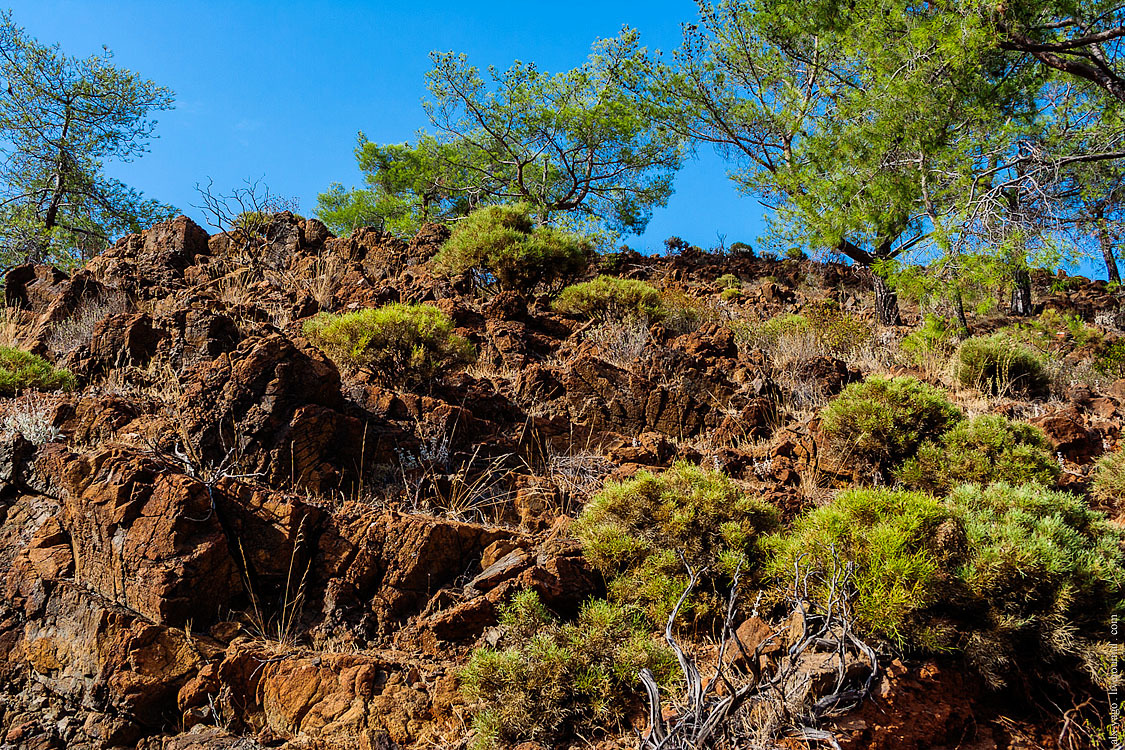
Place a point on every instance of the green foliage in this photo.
(547, 678)
(742, 250)
(1108, 486)
(608, 297)
(892, 538)
(21, 371)
(1053, 331)
(881, 421)
(634, 532)
(1000, 365)
(61, 119)
(400, 343)
(1015, 578)
(406, 186)
(582, 142)
(935, 339)
(503, 244)
(835, 329)
(1048, 571)
(729, 281)
(985, 449)
(1110, 360)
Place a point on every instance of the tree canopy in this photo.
(61, 119)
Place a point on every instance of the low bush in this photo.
(503, 245)
(1014, 578)
(934, 340)
(400, 343)
(608, 297)
(880, 422)
(1000, 365)
(1108, 486)
(1054, 331)
(23, 371)
(837, 331)
(547, 679)
(634, 533)
(1110, 360)
(985, 449)
(894, 541)
(1047, 571)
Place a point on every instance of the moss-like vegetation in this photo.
(634, 533)
(400, 343)
(881, 421)
(988, 448)
(608, 297)
(547, 678)
(503, 245)
(1000, 365)
(21, 371)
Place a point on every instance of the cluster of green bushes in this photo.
(400, 343)
(21, 371)
(908, 429)
(546, 676)
(995, 573)
(1013, 578)
(504, 245)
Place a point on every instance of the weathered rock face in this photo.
(145, 538)
(152, 263)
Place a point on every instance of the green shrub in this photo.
(933, 340)
(729, 294)
(502, 244)
(729, 281)
(1110, 360)
(892, 538)
(985, 449)
(999, 365)
(1048, 571)
(547, 679)
(1015, 578)
(880, 422)
(1055, 331)
(1108, 486)
(635, 531)
(741, 249)
(684, 313)
(21, 371)
(608, 297)
(400, 343)
(835, 329)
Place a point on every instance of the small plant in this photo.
(795, 253)
(608, 297)
(503, 245)
(1000, 365)
(1108, 486)
(985, 449)
(839, 332)
(684, 313)
(400, 343)
(881, 421)
(634, 533)
(741, 250)
(21, 371)
(1110, 361)
(548, 678)
(729, 281)
(934, 340)
(1055, 331)
(32, 416)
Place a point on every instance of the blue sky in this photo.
(277, 90)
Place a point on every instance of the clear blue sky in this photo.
(279, 89)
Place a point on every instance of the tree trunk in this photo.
(1106, 243)
(1021, 293)
(886, 302)
(959, 309)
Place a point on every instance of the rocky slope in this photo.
(219, 541)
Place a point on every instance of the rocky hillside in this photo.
(216, 536)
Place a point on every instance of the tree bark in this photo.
(1021, 293)
(886, 301)
(1106, 243)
